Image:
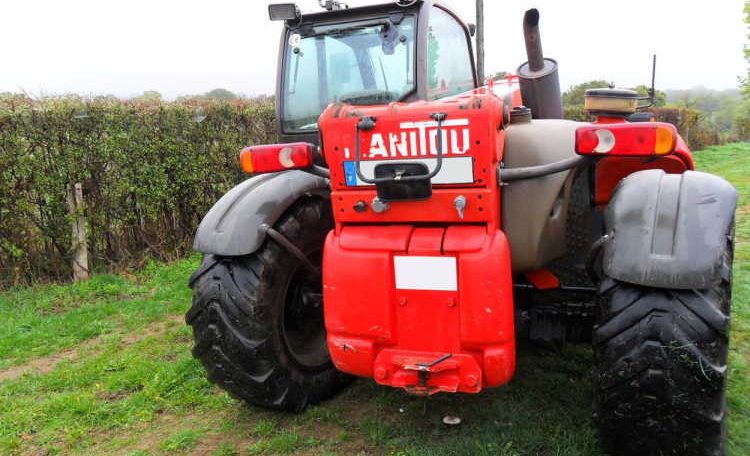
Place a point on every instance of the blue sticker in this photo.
(350, 171)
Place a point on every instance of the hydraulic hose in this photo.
(531, 172)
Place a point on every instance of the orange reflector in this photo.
(664, 142)
(543, 279)
(246, 161)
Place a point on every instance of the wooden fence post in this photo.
(79, 243)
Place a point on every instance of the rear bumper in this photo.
(424, 309)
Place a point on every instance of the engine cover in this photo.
(427, 309)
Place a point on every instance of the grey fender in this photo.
(232, 226)
(669, 230)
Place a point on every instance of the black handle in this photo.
(368, 123)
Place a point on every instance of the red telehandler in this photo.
(412, 224)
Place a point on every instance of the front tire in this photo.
(258, 319)
(660, 368)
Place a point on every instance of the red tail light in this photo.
(635, 139)
(270, 158)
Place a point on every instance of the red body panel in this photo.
(611, 170)
(377, 330)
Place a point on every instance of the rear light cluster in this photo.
(634, 139)
(270, 158)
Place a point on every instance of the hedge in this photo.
(149, 172)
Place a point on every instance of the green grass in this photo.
(733, 163)
(180, 440)
(116, 377)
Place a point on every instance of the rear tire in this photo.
(660, 368)
(258, 319)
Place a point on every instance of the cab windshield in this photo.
(364, 62)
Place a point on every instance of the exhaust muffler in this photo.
(540, 85)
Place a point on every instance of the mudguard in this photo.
(669, 230)
(231, 227)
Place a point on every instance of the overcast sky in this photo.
(188, 47)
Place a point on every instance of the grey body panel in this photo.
(669, 230)
(535, 210)
(231, 227)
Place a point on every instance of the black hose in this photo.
(290, 247)
(531, 172)
(319, 171)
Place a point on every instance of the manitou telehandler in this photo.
(412, 224)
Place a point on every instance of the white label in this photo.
(420, 139)
(425, 273)
(455, 170)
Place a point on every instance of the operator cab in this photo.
(369, 55)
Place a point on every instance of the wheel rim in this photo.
(303, 327)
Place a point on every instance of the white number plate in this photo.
(425, 273)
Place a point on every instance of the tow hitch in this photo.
(423, 371)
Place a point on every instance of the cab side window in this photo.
(449, 70)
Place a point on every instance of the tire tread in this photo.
(233, 328)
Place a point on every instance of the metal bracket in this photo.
(423, 369)
(368, 123)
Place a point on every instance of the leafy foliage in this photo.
(498, 75)
(149, 96)
(574, 95)
(149, 169)
(220, 94)
(660, 98)
(746, 81)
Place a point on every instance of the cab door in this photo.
(447, 61)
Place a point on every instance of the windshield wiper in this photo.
(335, 30)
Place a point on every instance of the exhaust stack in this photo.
(540, 86)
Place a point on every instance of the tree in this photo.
(742, 120)
(220, 94)
(12, 96)
(660, 98)
(574, 95)
(497, 75)
(149, 95)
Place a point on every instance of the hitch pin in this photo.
(426, 366)
(423, 369)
